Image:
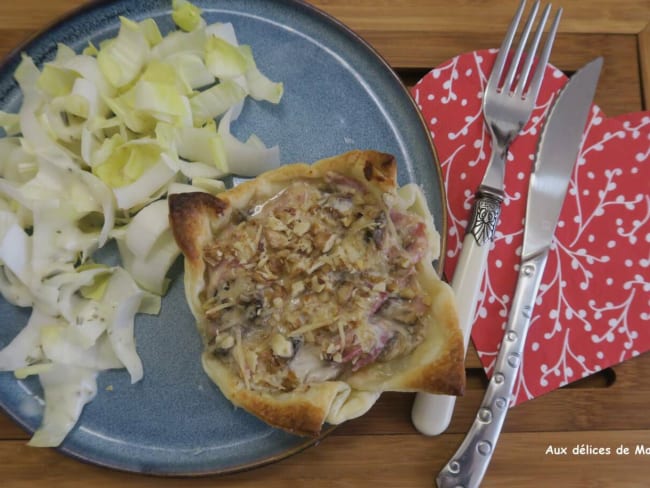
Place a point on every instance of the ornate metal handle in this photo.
(470, 462)
(485, 216)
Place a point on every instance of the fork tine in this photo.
(536, 81)
(525, 71)
(499, 63)
(516, 58)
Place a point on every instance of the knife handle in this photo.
(470, 462)
(431, 414)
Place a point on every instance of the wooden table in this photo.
(382, 449)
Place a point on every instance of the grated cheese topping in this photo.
(316, 282)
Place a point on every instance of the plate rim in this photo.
(15, 53)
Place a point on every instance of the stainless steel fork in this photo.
(508, 102)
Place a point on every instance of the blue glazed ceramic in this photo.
(339, 95)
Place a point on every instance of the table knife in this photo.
(557, 153)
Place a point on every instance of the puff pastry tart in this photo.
(314, 291)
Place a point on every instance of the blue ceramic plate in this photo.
(339, 95)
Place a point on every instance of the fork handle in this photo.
(431, 414)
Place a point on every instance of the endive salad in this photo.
(100, 140)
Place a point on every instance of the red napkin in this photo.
(593, 308)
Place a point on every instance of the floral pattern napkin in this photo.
(593, 308)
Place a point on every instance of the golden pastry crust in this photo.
(434, 364)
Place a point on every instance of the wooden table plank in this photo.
(570, 53)
(596, 16)
(11, 38)
(24, 15)
(644, 61)
(412, 461)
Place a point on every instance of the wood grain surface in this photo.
(382, 449)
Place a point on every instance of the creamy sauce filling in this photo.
(314, 283)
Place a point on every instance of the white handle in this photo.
(431, 414)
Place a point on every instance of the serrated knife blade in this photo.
(556, 156)
(557, 153)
